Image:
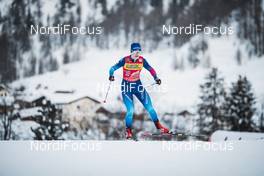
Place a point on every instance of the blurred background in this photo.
(52, 86)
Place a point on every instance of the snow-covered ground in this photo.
(105, 158)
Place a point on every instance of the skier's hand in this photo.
(111, 78)
(158, 81)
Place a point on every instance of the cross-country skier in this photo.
(132, 86)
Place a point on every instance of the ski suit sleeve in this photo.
(119, 64)
(150, 69)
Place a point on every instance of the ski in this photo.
(172, 135)
(133, 138)
(181, 133)
(146, 135)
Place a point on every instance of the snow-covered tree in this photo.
(7, 116)
(210, 109)
(66, 58)
(198, 52)
(238, 57)
(192, 57)
(240, 105)
(51, 124)
(176, 64)
(261, 124)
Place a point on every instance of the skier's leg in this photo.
(128, 101)
(145, 99)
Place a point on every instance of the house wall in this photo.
(79, 110)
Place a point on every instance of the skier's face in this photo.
(135, 54)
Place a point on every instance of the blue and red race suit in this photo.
(131, 85)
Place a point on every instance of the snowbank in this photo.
(234, 136)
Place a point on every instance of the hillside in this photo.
(179, 89)
(24, 54)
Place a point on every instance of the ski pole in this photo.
(150, 85)
(109, 85)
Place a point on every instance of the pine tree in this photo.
(176, 64)
(261, 118)
(66, 57)
(51, 124)
(240, 105)
(7, 116)
(210, 109)
(238, 57)
(261, 126)
(192, 56)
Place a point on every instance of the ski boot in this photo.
(129, 134)
(161, 128)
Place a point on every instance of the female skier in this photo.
(131, 85)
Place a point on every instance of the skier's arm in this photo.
(150, 69)
(119, 64)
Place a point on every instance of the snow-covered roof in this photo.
(72, 99)
(6, 100)
(185, 113)
(30, 112)
(57, 98)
